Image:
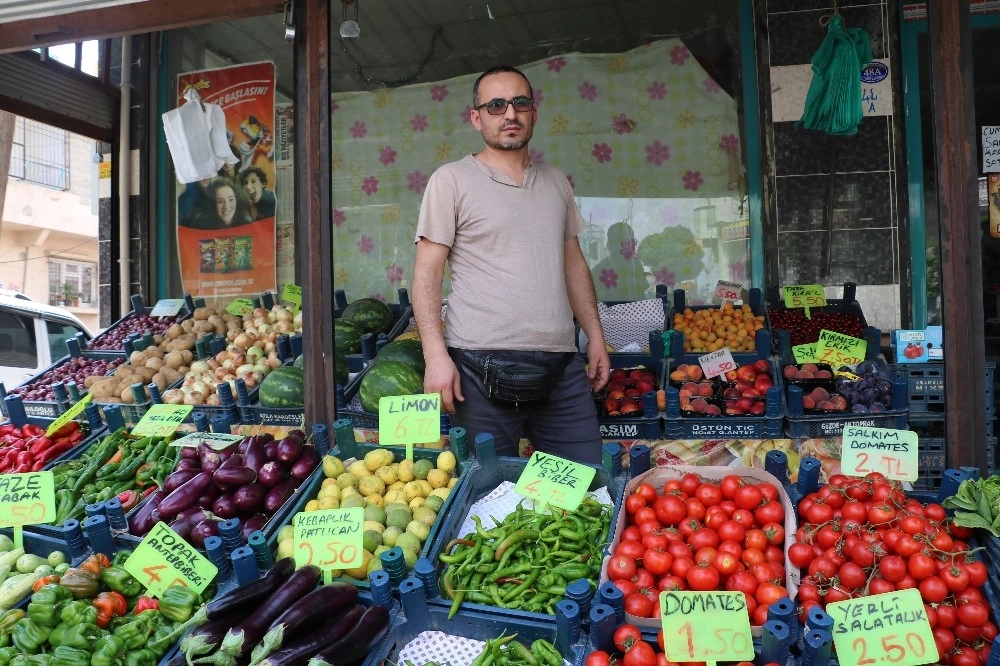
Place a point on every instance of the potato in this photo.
(157, 339)
(204, 327)
(174, 359)
(137, 357)
(173, 332)
(202, 313)
(103, 388)
(188, 356)
(160, 381)
(155, 352)
(127, 396)
(91, 380)
(171, 375)
(154, 363)
(187, 325)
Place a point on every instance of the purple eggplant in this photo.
(289, 449)
(206, 528)
(253, 455)
(272, 473)
(250, 498)
(295, 432)
(183, 526)
(209, 496)
(185, 495)
(308, 461)
(235, 460)
(178, 478)
(231, 478)
(140, 522)
(279, 494)
(189, 452)
(253, 523)
(271, 450)
(225, 506)
(187, 463)
(209, 457)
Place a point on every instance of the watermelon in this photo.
(282, 387)
(347, 336)
(340, 371)
(387, 378)
(299, 361)
(371, 315)
(408, 351)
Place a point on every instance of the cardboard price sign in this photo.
(164, 559)
(161, 420)
(217, 440)
(728, 291)
(167, 307)
(330, 539)
(292, 293)
(892, 452)
(553, 480)
(890, 628)
(27, 499)
(240, 307)
(409, 420)
(838, 349)
(705, 626)
(717, 363)
(68, 415)
(804, 353)
(804, 296)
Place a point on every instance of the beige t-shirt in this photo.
(508, 283)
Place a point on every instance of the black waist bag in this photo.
(507, 379)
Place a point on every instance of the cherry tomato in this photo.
(818, 513)
(977, 573)
(822, 567)
(854, 510)
(852, 575)
(881, 514)
(955, 577)
(880, 586)
(892, 568)
(920, 566)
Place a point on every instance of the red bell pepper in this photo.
(37, 445)
(31, 430)
(145, 603)
(10, 429)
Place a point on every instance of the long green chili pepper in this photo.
(514, 538)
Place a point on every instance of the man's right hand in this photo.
(442, 377)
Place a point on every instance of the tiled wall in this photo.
(831, 191)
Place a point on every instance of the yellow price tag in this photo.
(164, 559)
(240, 307)
(68, 415)
(161, 420)
(804, 296)
(892, 452)
(409, 420)
(890, 628)
(705, 626)
(554, 480)
(292, 293)
(805, 353)
(330, 539)
(837, 349)
(27, 499)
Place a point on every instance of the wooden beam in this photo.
(313, 217)
(128, 19)
(958, 212)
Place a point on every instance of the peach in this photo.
(824, 374)
(790, 371)
(808, 402)
(811, 367)
(803, 374)
(820, 393)
(699, 404)
(694, 371)
(713, 410)
(678, 375)
(705, 390)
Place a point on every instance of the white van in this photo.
(33, 337)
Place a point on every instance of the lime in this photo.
(375, 513)
(421, 468)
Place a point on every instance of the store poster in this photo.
(226, 224)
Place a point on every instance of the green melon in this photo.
(282, 387)
(388, 378)
(371, 315)
(340, 372)
(347, 336)
(408, 351)
(299, 361)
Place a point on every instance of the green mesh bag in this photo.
(833, 104)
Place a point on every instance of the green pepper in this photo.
(108, 651)
(136, 633)
(177, 603)
(141, 657)
(116, 578)
(78, 612)
(9, 620)
(46, 603)
(75, 636)
(83, 584)
(67, 656)
(6, 654)
(29, 636)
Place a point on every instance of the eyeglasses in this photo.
(498, 106)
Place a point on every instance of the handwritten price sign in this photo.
(890, 628)
(554, 480)
(240, 307)
(705, 626)
(161, 420)
(330, 539)
(892, 452)
(805, 353)
(717, 363)
(27, 499)
(728, 291)
(167, 307)
(838, 349)
(68, 415)
(292, 293)
(409, 419)
(804, 296)
(164, 559)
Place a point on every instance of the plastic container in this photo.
(643, 424)
(138, 307)
(925, 384)
(847, 305)
(418, 616)
(402, 310)
(762, 338)
(90, 421)
(657, 348)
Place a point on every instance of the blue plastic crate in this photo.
(489, 472)
(645, 424)
(847, 304)
(52, 409)
(402, 311)
(138, 307)
(418, 616)
(762, 338)
(925, 383)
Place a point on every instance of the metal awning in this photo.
(19, 10)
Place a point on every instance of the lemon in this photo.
(286, 532)
(414, 489)
(329, 503)
(332, 467)
(392, 496)
(438, 478)
(396, 505)
(286, 548)
(418, 529)
(373, 525)
(311, 505)
(405, 471)
(330, 482)
(374, 513)
(397, 484)
(441, 493)
(371, 539)
(389, 536)
(374, 564)
(377, 458)
(347, 479)
(375, 500)
(409, 541)
(424, 515)
(434, 502)
(421, 468)
(359, 469)
(446, 461)
(452, 481)
(398, 518)
(370, 485)
(425, 487)
(387, 474)
(410, 557)
(360, 571)
(416, 503)
(329, 491)
(352, 501)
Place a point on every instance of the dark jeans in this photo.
(564, 424)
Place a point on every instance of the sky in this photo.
(66, 54)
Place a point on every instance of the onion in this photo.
(221, 372)
(259, 313)
(254, 353)
(261, 367)
(297, 320)
(241, 340)
(194, 398)
(173, 397)
(212, 363)
(221, 356)
(272, 316)
(285, 315)
(226, 365)
(213, 399)
(273, 361)
(284, 327)
(200, 387)
(199, 367)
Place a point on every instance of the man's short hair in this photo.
(498, 69)
(253, 170)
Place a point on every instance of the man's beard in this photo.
(497, 141)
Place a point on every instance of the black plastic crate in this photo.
(402, 310)
(138, 307)
(925, 382)
(52, 409)
(848, 304)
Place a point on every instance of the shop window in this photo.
(40, 154)
(72, 283)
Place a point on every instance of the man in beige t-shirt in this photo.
(508, 227)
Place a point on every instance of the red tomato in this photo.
(647, 491)
(752, 556)
(808, 592)
(744, 518)
(920, 566)
(715, 517)
(672, 487)
(973, 614)
(644, 514)
(768, 593)
(881, 514)
(690, 483)
(688, 526)
(932, 589)
(759, 616)
(705, 556)
(912, 524)
(854, 510)
(732, 548)
(741, 581)
(708, 494)
(703, 578)
(641, 654)
(638, 605)
(967, 595)
(774, 554)
(732, 531)
(770, 511)
(943, 637)
(955, 577)
(657, 539)
(892, 568)
(863, 554)
(633, 503)
(669, 509)
(626, 636)
(702, 537)
(621, 567)
(822, 567)
(631, 533)
(627, 587)
(679, 549)
(769, 491)
(837, 593)
(726, 563)
(598, 658)
(729, 485)
(947, 616)
(818, 513)
(977, 573)
(729, 506)
(630, 549)
(880, 586)
(657, 562)
(852, 575)
(643, 578)
(762, 572)
(671, 582)
(965, 656)
(800, 554)
(694, 508)
(681, 566)
(775, 533)
(755, 539)
(748, 497)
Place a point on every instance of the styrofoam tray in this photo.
(503, 501)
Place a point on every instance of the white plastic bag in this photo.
(196, 137)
